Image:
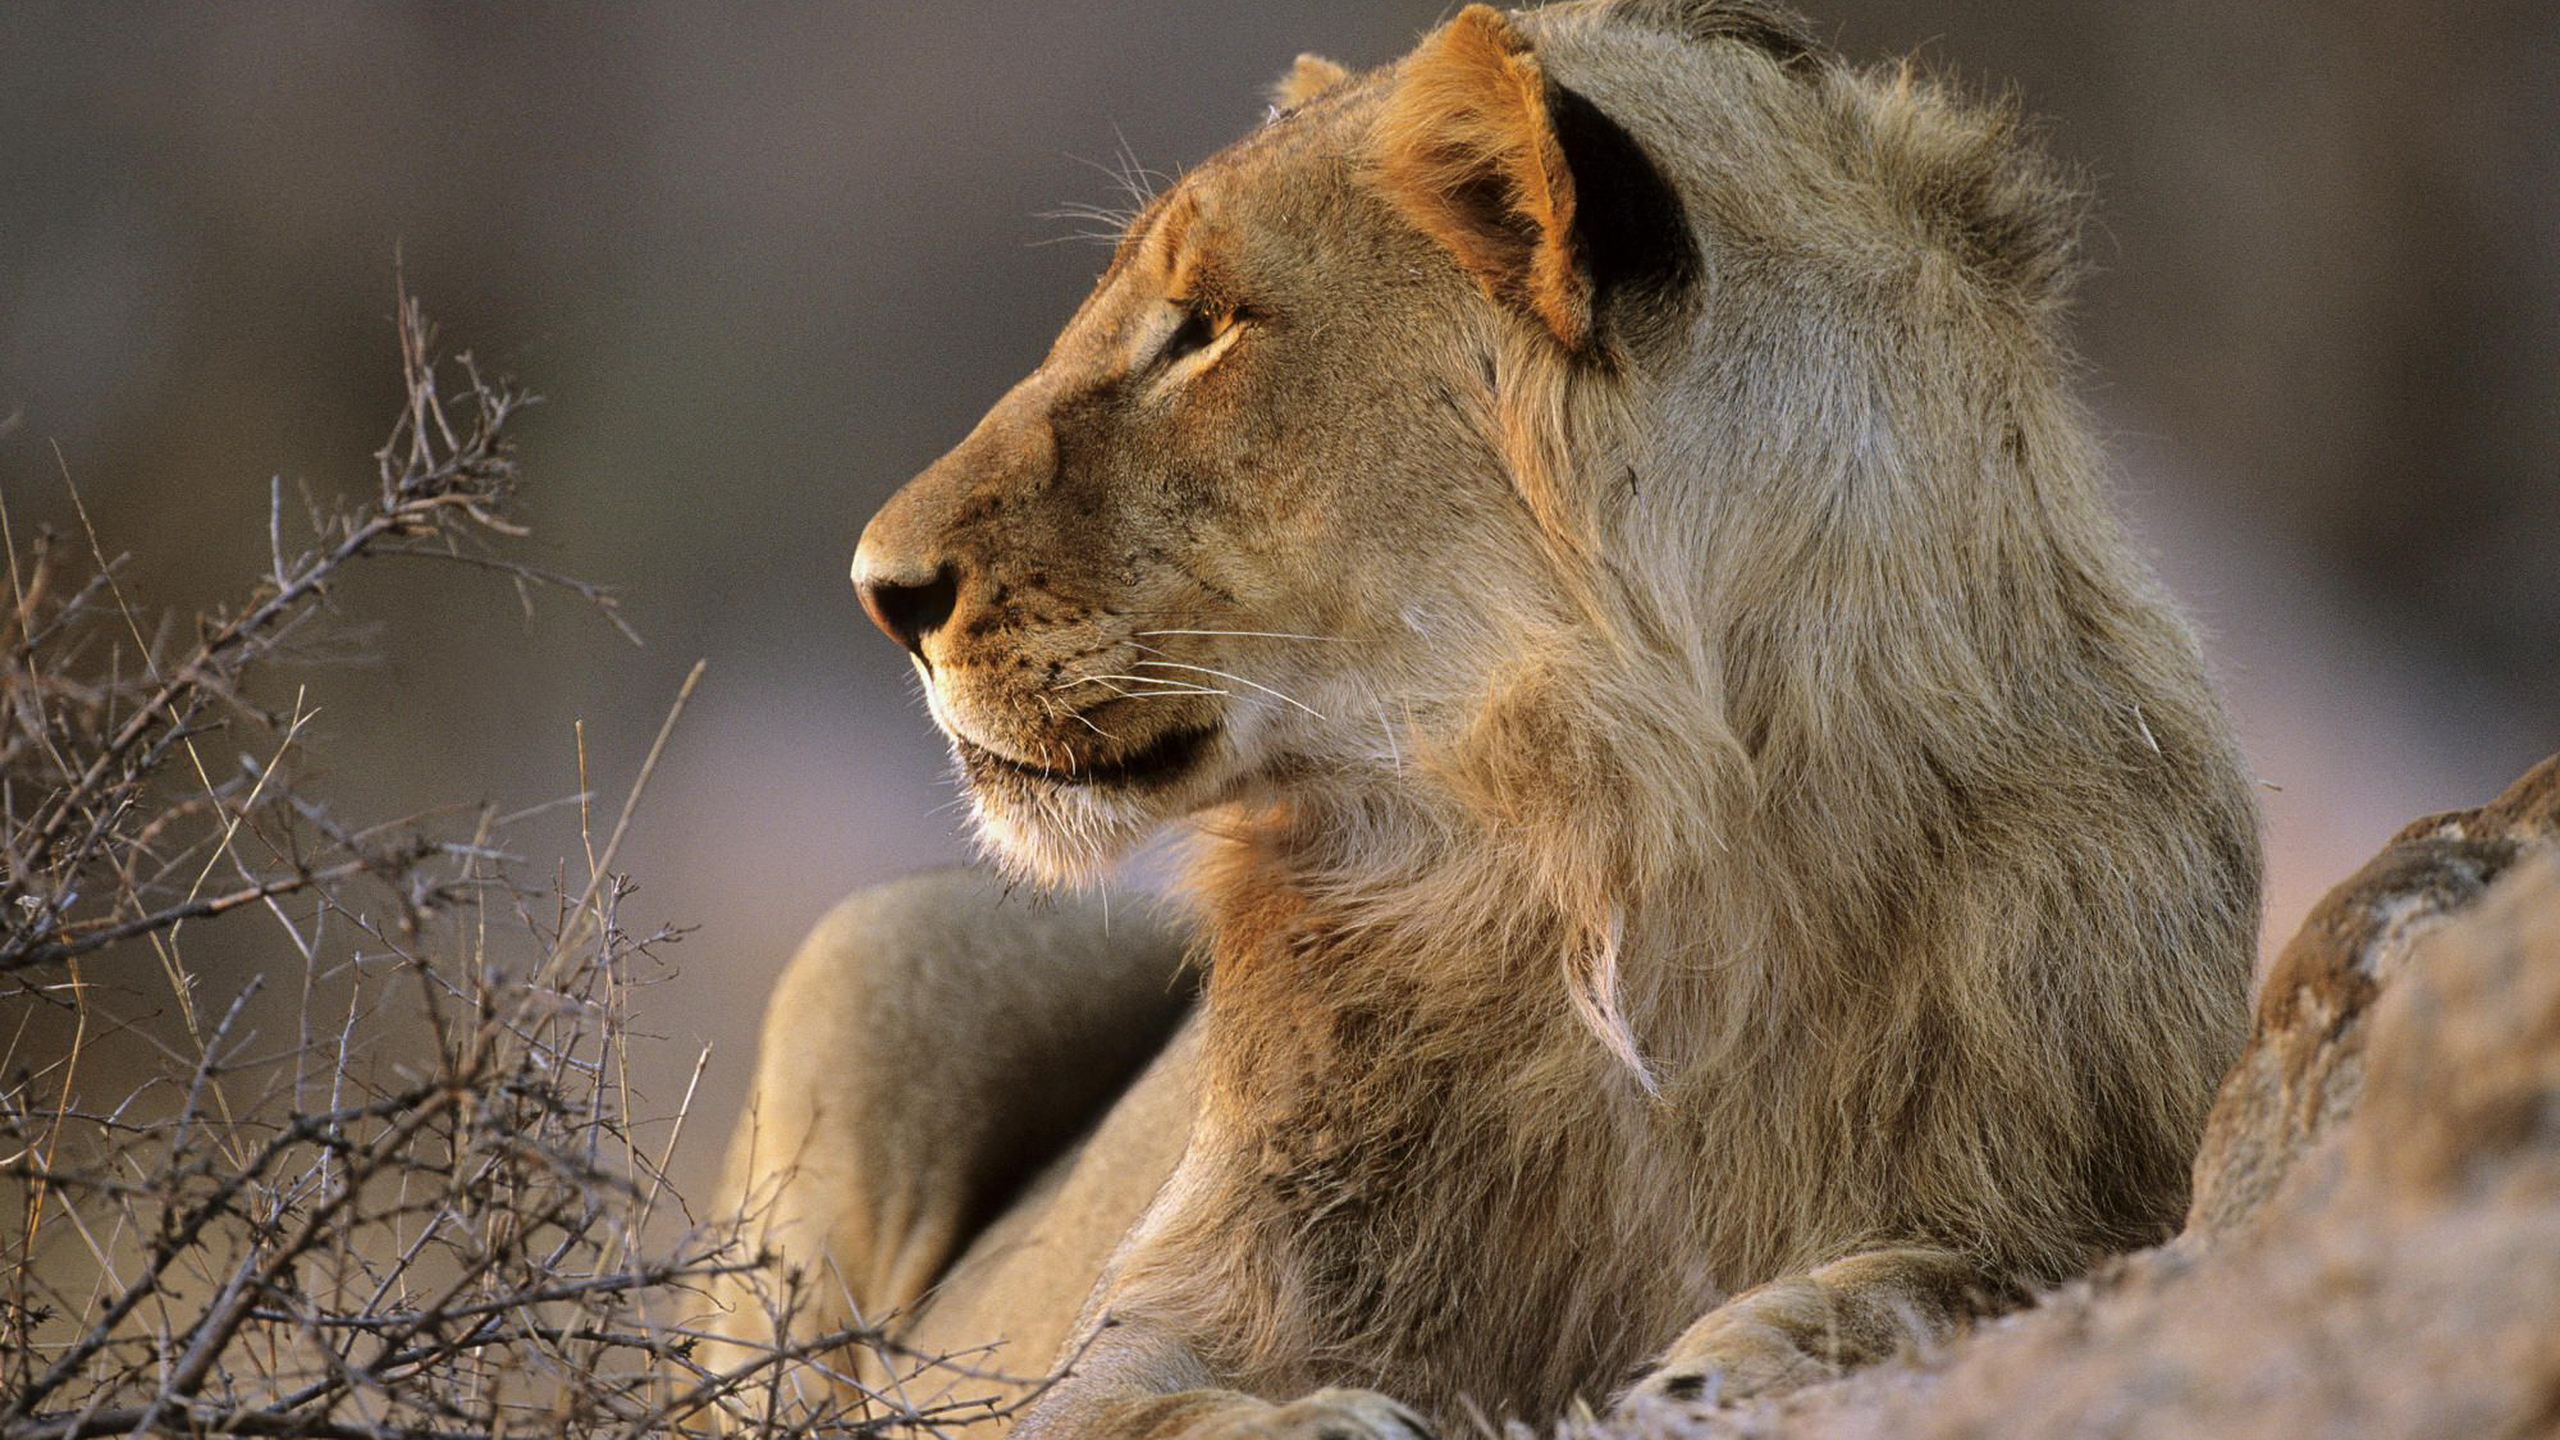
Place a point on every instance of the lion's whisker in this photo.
(1240, 680)
(1089, 237)
(1167, 682)
(1258, 635)
(1169, 687)
(1097, 214)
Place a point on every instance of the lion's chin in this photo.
(1062, 827)
(1057, 850)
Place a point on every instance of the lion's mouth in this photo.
(1160, 759)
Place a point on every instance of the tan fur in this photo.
(1310, 77)
(1690, 793)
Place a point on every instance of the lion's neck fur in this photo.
(1807, 889)
(1354, 1028)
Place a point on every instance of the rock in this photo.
(2374, 1244)
(2305, 1064)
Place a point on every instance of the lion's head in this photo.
(1260, 513)
(1612, 435)
(1251, 519)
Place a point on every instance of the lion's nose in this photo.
(908, 608)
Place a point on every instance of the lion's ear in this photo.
(1468, 147)
(1310, 77)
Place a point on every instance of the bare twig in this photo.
(426, 1215)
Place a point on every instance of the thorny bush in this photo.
(470, 1238)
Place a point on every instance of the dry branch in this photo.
(429, 1217)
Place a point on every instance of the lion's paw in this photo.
(1747, 1365)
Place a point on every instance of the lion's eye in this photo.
(1199, 328)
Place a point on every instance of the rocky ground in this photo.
(2374, 1247)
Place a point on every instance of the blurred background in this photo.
(765, 263)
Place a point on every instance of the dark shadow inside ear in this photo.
(1630, 228)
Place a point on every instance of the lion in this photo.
(1709, 857)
